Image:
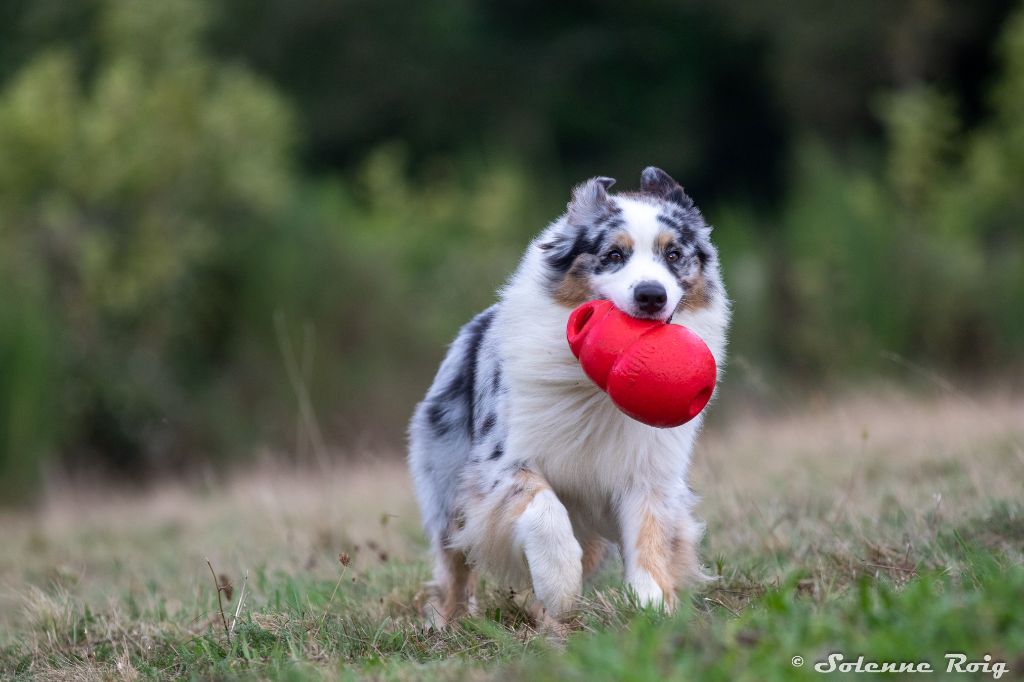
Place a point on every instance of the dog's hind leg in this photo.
(452, 593)
(595, 548)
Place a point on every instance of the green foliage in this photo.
(574, 90)
(118, 193)
(189, 290)
(27, 416)
(923, 262)
(177, 290)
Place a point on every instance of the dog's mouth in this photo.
(662, 316)
(652, 317)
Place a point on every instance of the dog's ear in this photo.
(589, 200)
(659, 183)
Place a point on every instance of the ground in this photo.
(881, 525)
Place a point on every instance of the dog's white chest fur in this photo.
(570, 429)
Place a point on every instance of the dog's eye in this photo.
(615, 256)
(673, 256)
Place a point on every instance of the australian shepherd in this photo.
(523, 468)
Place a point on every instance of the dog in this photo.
(522, 467)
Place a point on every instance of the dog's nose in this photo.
(650, 297)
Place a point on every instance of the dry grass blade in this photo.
(344, 560)
(220, 603)
(241, 601)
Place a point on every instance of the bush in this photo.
(120, 195)
(183, 295)
(924, 261)
(178, 293)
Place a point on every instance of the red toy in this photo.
(657, 373)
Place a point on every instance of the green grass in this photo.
(880, 526)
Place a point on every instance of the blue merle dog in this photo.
(523, 468)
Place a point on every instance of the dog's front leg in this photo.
(517, 517)
(656, 551)
(554, 556)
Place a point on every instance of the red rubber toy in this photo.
(659, 374)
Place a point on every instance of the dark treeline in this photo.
(227, 225)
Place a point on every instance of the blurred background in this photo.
(238, 227)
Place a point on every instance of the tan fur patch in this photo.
(594, 550)
(526, 485)
(574, 290)
(697, 296)
(685, 564)
(664, 240)
(624, 242)
(451, 598)
(654, 555)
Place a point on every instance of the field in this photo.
(877, 524)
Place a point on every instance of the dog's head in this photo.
(648, 252)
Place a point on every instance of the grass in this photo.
(878, 525)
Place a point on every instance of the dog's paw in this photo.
(556, 629)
